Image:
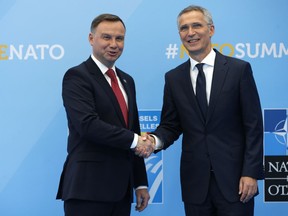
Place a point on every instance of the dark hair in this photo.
(105, 17)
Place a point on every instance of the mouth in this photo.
(191, 41)
(112, 53)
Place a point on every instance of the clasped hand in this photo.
(145, 146)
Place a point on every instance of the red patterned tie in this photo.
(118, 94)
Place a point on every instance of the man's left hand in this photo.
(142, 198)
(247, 188)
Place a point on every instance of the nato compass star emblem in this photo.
(276, 132)
(281, 133)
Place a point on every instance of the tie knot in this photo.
(110, 72)
(200, 66)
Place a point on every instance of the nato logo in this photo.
(276, 131)
(276, 155)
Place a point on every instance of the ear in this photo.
(211, 30)
(90, 38)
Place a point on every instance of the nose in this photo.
(191, 30)
(113, 42)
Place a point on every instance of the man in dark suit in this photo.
(101, 168)
(222, 147)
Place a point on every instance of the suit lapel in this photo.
(99, 78)
(189, 89)
(219, 75)
(125, 84)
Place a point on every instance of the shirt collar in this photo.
(101, 66)
(208, 60)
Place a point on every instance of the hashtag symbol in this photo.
(171, 51)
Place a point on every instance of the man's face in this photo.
(195, 34)
(107, 42)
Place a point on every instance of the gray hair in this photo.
(204, 11)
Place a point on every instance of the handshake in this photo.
(145, 146)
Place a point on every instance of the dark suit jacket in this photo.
(100, 165)
(229, 142)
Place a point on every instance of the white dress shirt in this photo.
(208, 69)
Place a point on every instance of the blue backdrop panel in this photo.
(39, 41)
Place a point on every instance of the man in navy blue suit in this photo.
(222, 146)
(101, 169)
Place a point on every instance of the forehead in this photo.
(108, 27)
(191, 17)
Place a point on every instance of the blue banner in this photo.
(40, 40)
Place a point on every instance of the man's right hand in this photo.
(145, 146)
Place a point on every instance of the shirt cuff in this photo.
(141, 187)
(135, 141)
(158, 142)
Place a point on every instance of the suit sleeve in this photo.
(253, 125)
(170, 128)
(139, 169)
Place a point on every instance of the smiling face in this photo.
(107, 41)
(195, 33)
